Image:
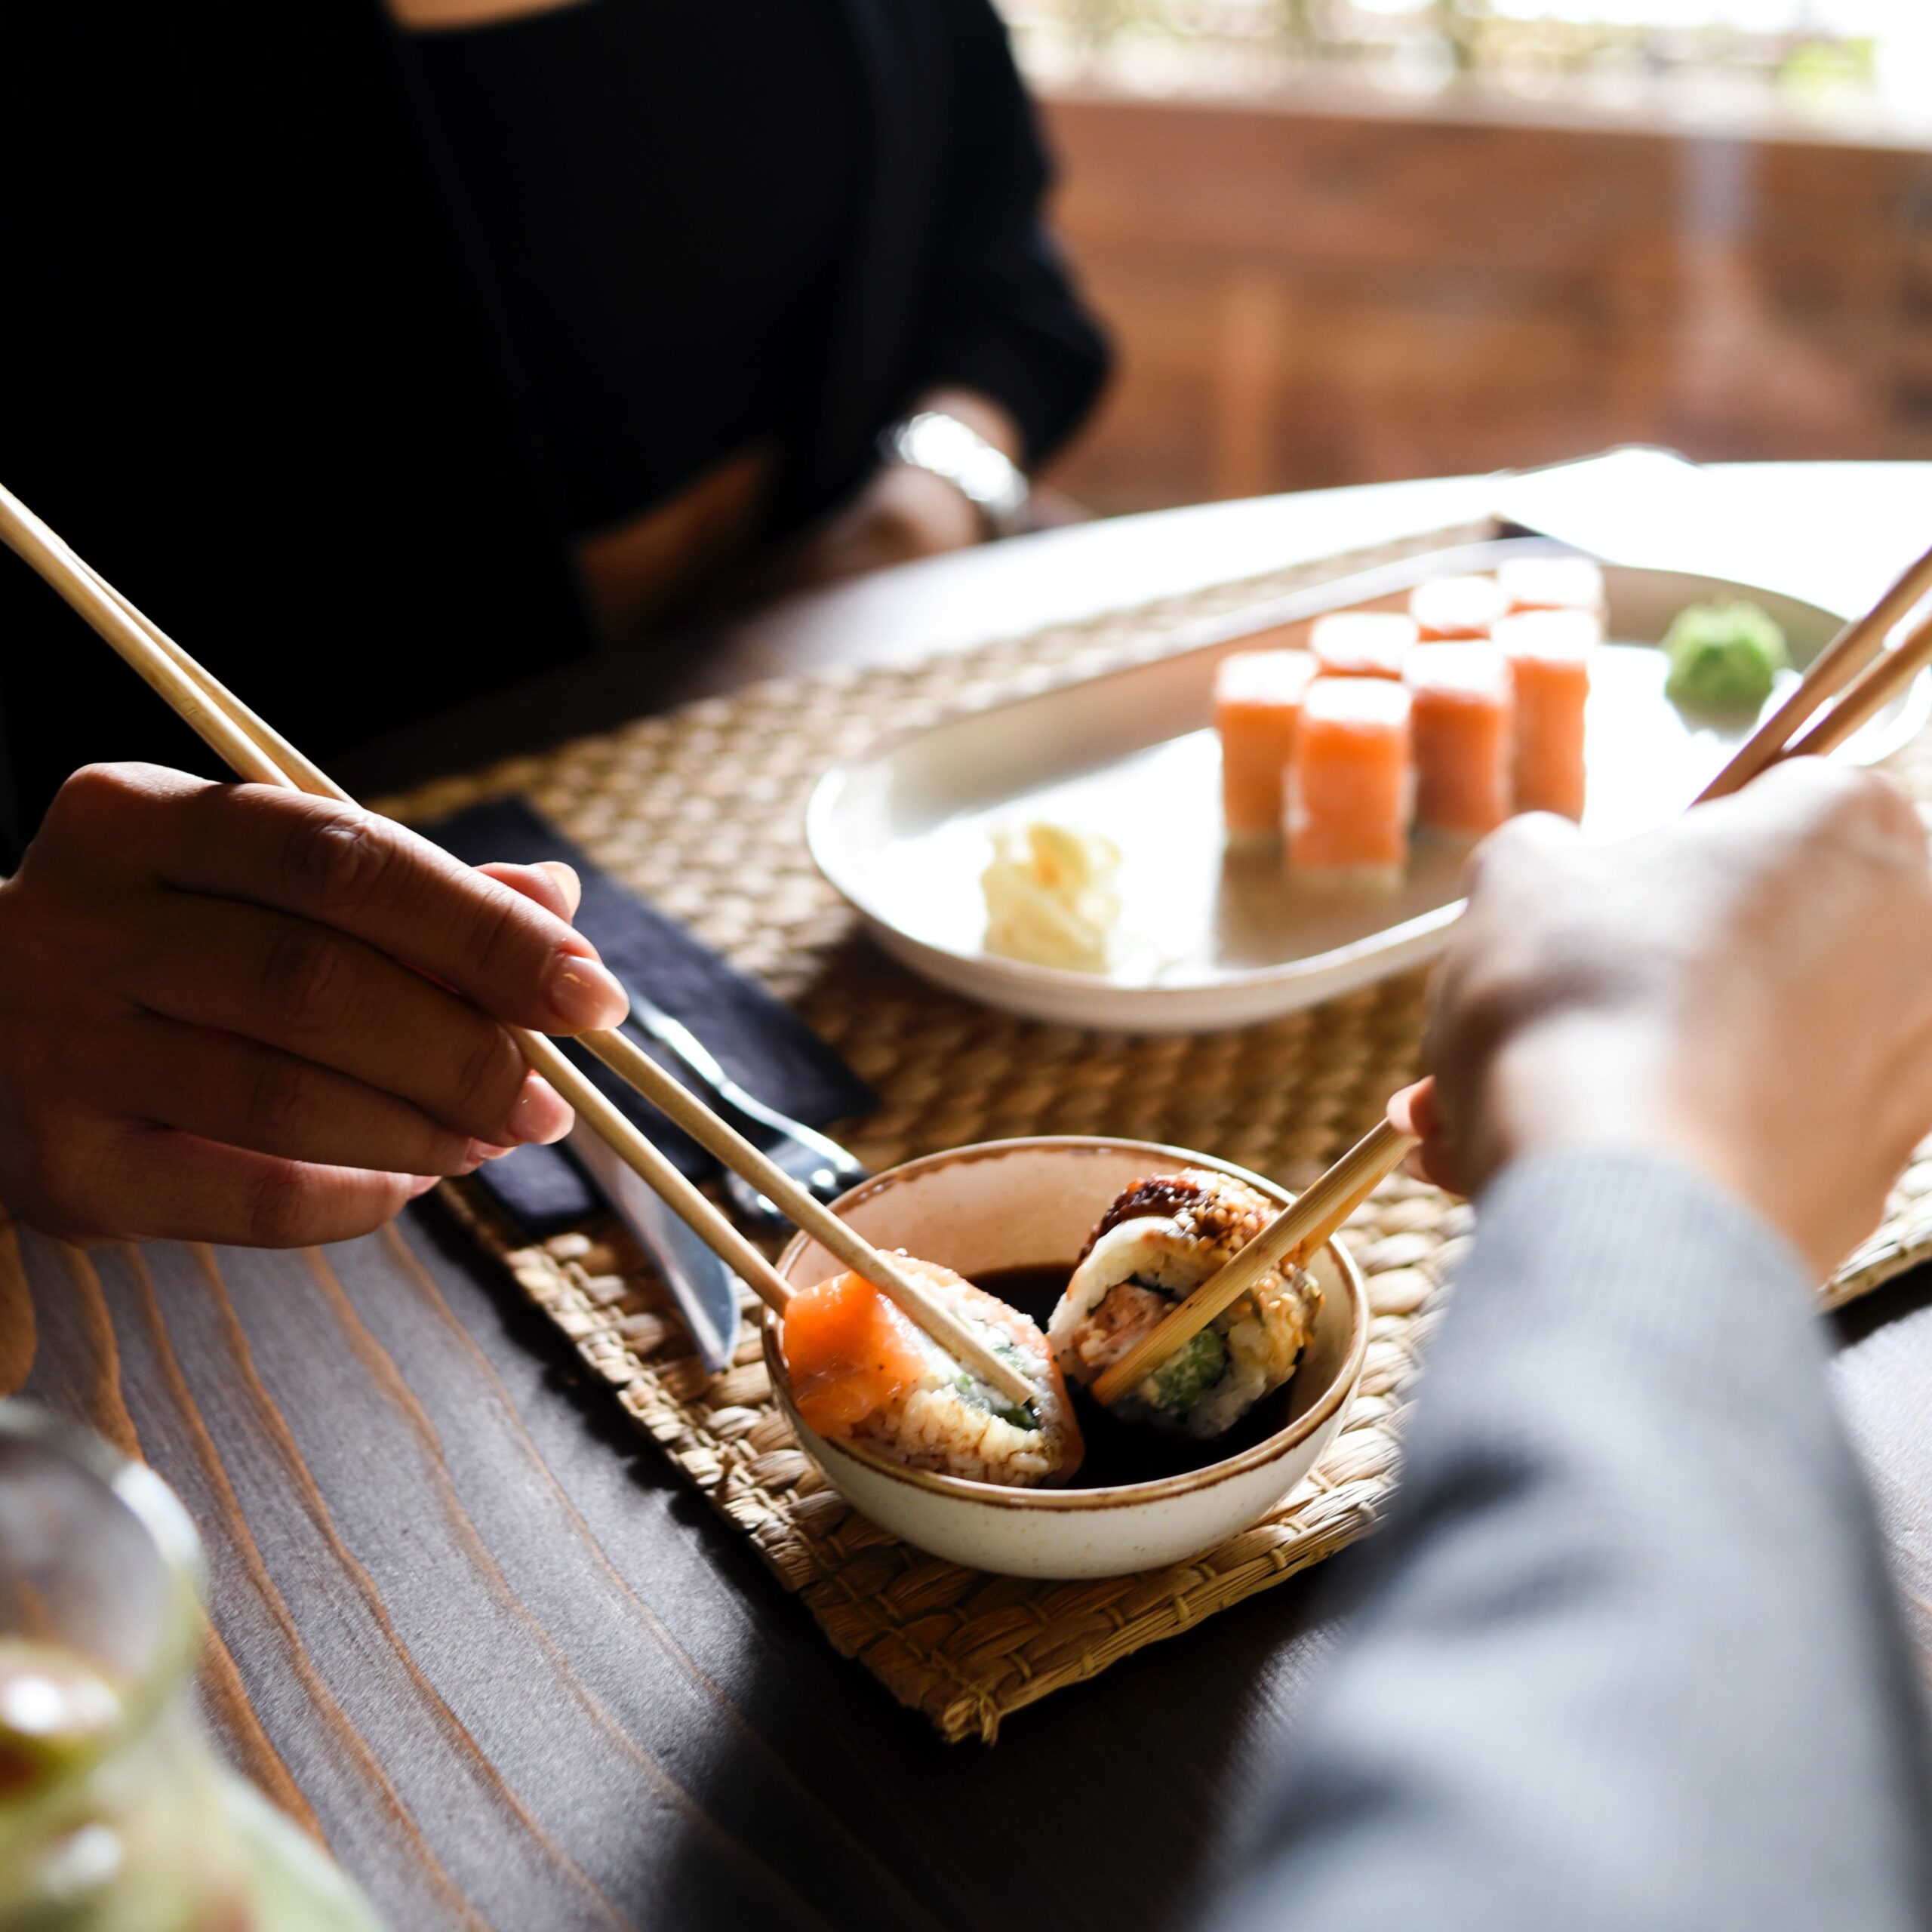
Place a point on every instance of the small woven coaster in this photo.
(701, 811)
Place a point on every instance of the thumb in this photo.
(554, 885)
(1413, 1111)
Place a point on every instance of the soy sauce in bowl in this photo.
(1119, 1452)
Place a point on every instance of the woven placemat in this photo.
(701, 811)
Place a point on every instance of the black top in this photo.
(664, 218)
(279, 392)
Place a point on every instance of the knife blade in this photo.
(705, 1290)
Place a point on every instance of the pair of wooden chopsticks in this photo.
(256, 752)
(1855, 668)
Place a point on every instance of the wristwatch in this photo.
(988, 478)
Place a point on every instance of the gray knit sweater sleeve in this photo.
(1626, 1655)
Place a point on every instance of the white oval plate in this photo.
(1209, 937)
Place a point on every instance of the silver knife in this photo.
(705, 1290)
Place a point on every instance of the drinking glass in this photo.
(115, 1815)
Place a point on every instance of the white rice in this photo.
(949, 1422)
(1137, 1269)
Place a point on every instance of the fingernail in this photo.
(480, 1151)
(582, 994)
(422, 1183)
(541, 1113)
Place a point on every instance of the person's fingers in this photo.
(553, 885)
(218, 1086)
(1434, 1162)
(1830, 800)
(311, 992)
(168, 1185)
(343, 867)
(1530, 840)
(572, 886)
(1412, 1110)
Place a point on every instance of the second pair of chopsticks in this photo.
(1856, 669)
(1297, 1232)
(257, 752)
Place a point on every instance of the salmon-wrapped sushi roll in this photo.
(1447, 608)
(1460, 721)
(1553, 583)
(1351, 787)
(1257, 707)
(862, 1372)
(1549, 662)
(1157, 1243)
(1362, 644)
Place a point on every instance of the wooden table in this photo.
(472, 1631)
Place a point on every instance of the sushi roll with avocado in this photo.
(861, 1372)
(1156, 1244)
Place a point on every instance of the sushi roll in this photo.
(1549, 665)
(1461, 720)
(1157, 1243)
(1257, 706)
(1553, 583)
(861, 1372)
(1351, 787)
(1362, 644)
(1446, 608)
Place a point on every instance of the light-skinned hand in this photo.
(1748, 991)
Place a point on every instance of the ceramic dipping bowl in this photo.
(1030, 1204)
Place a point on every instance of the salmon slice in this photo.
(1257, 705)
(1552, 583)
(1448, 607)
(849, 1353)
(1461, 721)
(1362, 644)
(1549, 662)
(1350, 786)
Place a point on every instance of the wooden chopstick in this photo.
(1298, 1229)
(1868, 694)
(31, 540)
(1856, 666)
(261, 755)
(257, 752)
(308, 777)
(622, 1135)
(204, 703)
(1849, 653)
(630, 1063)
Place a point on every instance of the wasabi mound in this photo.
(1723, 658)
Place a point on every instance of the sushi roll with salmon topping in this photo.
(1257, 707)
(1362, 644)
(1553, 583)
(1549, 654)
(1351, 788)
(1462, 721)
(862, 1372)
(1447, 608)
(1155, 1245)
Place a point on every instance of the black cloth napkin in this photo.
(761, 1042)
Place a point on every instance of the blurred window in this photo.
(1862, 65)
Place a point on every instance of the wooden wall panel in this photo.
(1303, 299)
